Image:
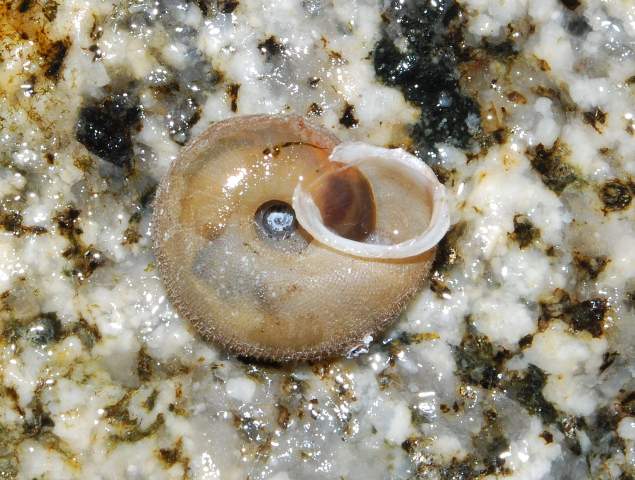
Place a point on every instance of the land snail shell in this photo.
(262, 283)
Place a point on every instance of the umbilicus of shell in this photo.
(278, 242)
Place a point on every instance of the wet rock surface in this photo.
(516, 361)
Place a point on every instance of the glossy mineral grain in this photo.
(515, 362)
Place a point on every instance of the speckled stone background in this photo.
(516, 361)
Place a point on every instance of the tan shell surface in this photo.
(235, 288)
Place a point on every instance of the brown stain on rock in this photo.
(28, 22)
(232, 92)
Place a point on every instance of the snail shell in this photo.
(241, 269)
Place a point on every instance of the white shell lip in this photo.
(351, 153)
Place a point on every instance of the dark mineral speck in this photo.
(232, 92)
(589, 316)
(526, 388)
(227, 6)
(547, 436)
(448, 249)
(615, 195)
(477, 362)
(580, 315)
(12, 221)
(105, 128)
(85, 259)
(270, 48)
(589, 265)
(570, 426)
(55, 58)
(314, 110)
(524, 231)
(45, 329)
(66, 220)
(596, 118)
(503, 50)
(49, 9)
(24, 6)
(490, 443)
(571, 4)
(348, 117)
(552, 166)
(39, 422)
(144, 365)
(578, 26)
(427, 70)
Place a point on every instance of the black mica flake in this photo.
(105, 127)
(66, 221)
(11, 221)
(426, 71)
(87, 333)
(608, 359)
(484, 459)
(85, 259)
(447, 255)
